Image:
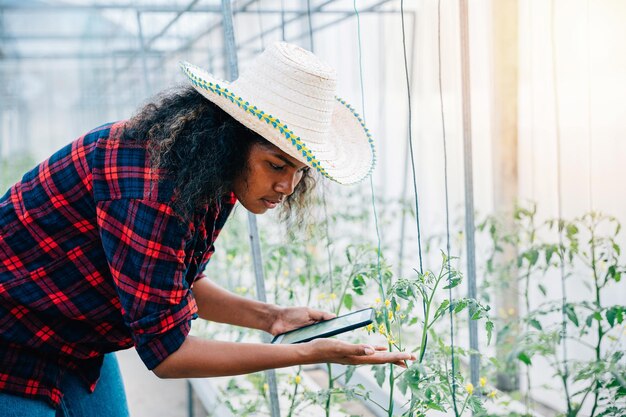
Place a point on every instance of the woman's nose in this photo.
(286, 185)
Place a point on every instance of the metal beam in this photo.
(64, 8)
(80, 56)
(47, 8)
(304, 14)
(54, 37)
(347, 15)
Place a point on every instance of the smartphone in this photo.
(327, 328)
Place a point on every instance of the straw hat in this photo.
(287, 95)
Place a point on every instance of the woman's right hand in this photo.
(337, 351)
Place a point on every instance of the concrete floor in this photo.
(149, 396)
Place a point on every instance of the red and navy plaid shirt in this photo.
(93, 260)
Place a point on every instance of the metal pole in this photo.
(233, 71)
(469, 189)
(144, 59)
(190, 410)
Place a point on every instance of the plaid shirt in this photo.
(93, 260)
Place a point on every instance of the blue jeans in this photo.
(108, 400)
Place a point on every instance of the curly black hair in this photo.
(202, 149)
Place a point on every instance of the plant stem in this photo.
(295, 392)
(465, 404)
(427, 316)
(527, 300)
(391, 383)
(598, 306)
(331, 385)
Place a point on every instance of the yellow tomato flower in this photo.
(381, 329)
(297, 379)
(377, 300)
(390, 315)
(397, 307)
(370, 327)
(332, 295)
(390, 340)
(321, 296)
(492, 394)
(469, 388)
(265, 387)
(483, 382)
(387, 303)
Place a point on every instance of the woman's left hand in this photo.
(289, 318)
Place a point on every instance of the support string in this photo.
(445, 164)
(371, 180)
(411, 153)
(589, 134)
(560, 223)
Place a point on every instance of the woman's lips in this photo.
(269, 203)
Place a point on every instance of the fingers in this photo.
(379, 357)
(374, 349)
(320, 315)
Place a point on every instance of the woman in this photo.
(103, 245)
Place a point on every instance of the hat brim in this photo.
(353, 156)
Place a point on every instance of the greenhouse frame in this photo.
(486, 238)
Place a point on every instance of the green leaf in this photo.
(443, 307)
(349, 373)
(379, 374)
(616, 249)
(611, 314)
(475, 404)
(535, 323)
(358, 283)
(571, 314)
(532, 256)
(347, 301)
(524, 358)
(571, 230)
(550, 249)
(453, 282)
(402, 386)
(542, 289)
(459, 306)
(435, 406)
(489, 328)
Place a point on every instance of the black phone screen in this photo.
(327, 328)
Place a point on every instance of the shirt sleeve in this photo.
(143, 242)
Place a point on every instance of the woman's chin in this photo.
(254, 208)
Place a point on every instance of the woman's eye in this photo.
(277, 167)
